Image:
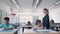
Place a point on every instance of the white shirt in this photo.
(37, 28)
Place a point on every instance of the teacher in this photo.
(46, 24)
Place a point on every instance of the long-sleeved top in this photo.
(46, 20)
(3, 25)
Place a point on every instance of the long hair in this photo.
(38, 21)
(46, 10)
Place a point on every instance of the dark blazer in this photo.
(46, 20)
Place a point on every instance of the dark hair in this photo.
(6, 18)
(46, 10)
(52, 20)
(29, 22)
(38, 21)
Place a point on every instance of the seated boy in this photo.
(6, 24)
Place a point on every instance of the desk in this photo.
(41, 32)
(57, 28)
(26, 26)
(8, 31)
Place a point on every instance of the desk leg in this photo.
(23, 29)
(57, 28)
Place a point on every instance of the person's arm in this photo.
(9, 27)
(33, 28)
(1, 25)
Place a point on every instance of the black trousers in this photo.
(46, 26)
(52, 28)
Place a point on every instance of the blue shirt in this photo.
(3, 25)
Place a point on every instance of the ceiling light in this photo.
(53, 6)
(37, 1)
(14, 1)
(58, 2)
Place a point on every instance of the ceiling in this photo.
(29, 5)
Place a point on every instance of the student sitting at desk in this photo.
(52, 24)
(38, 25)
(6, 25)
(28, 23)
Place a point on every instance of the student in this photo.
(28, 23)
(46, 24)
(52, 24)
(38, 25)
(6, 24)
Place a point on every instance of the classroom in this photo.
(29, 16)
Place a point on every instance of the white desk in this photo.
(26, 26)
(8, 31)
(41, 32)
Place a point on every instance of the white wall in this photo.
(55, 14)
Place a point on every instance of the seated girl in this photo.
(38, 25)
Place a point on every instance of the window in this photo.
(41, 17)
(26, 18)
